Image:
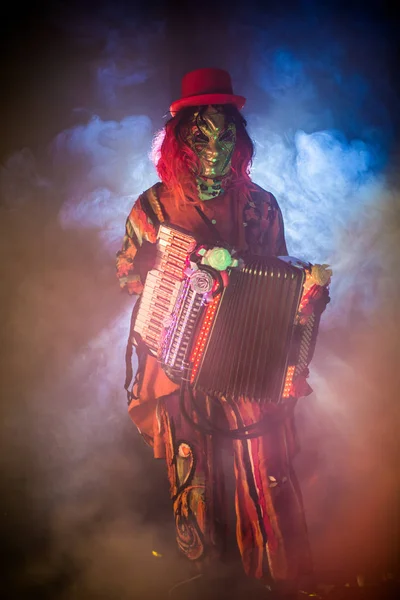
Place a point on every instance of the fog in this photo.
(84, 504)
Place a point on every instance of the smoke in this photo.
(113, 170)
(323, 148)
(85, 503)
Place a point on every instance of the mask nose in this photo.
(212, 150)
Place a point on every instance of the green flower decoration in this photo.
(219, 259)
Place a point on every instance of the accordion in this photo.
(241, 336)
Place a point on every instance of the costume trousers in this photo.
(271, 530)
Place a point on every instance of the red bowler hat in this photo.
(207, 86)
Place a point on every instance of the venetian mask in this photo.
(213, 140)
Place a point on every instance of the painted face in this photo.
(213, 140)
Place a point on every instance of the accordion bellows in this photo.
(245, 342)
(249, 344)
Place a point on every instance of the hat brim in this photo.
(206, 99)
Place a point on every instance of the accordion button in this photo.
(213, 221)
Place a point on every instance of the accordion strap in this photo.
(216, 234)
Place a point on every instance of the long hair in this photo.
(177, 163)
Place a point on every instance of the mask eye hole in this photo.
(199, 137)
(227, 136)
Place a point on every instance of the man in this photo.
(203, 162)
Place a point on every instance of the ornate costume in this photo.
(205, 186)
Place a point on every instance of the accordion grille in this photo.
(247, 349)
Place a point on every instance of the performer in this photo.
(205, 189)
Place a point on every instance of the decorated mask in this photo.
(213, 138)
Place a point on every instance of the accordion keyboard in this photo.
(163, 284)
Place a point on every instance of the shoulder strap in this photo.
(210, 225)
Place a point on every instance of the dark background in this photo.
(40, 60)
(69, 491)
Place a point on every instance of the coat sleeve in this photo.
(140, 234)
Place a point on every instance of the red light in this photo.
(198, 350)
(288, 381)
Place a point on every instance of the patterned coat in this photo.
(270, 519)
(251, 222)
(255, 225)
